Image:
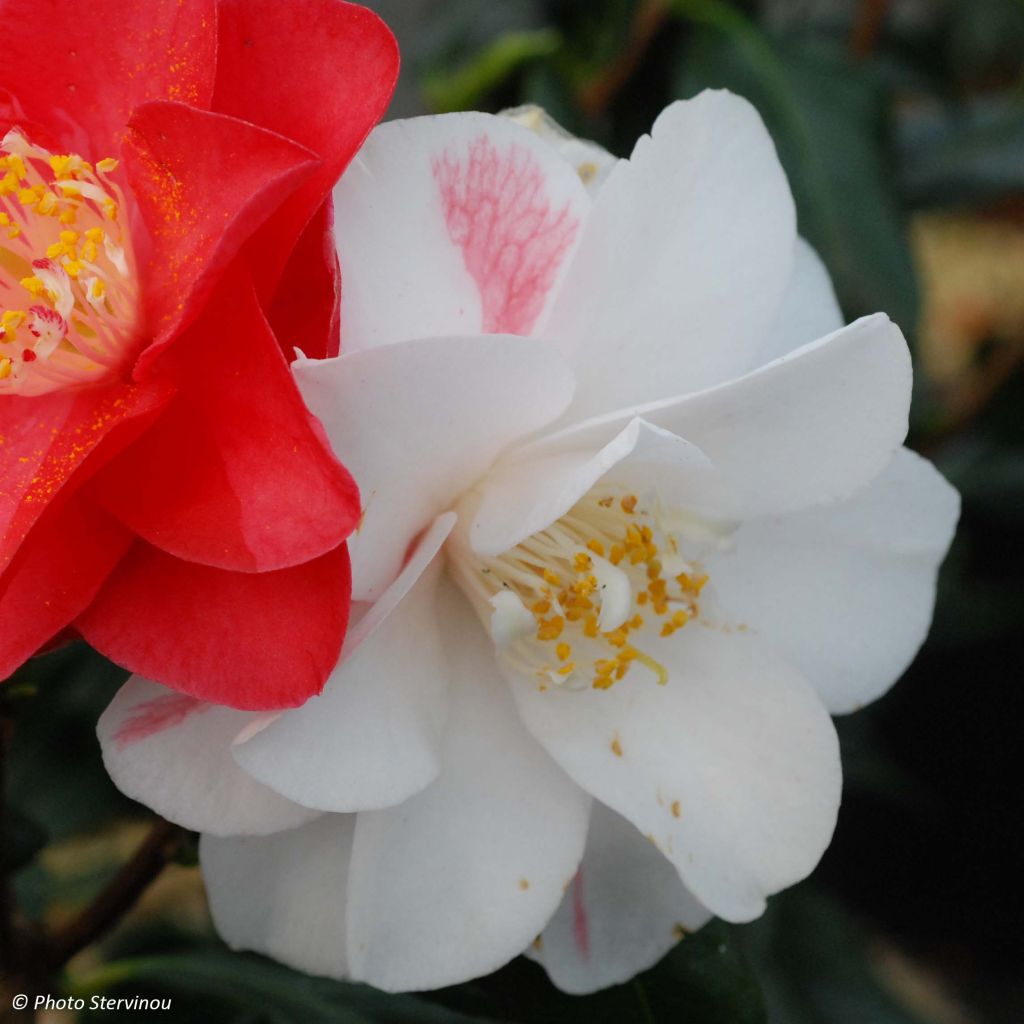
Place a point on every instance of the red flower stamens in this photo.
(62, 243)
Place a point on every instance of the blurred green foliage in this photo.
(883, 114)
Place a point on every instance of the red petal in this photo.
(255, 641)
(320, 72)
(236, 473)
(55, 575)
(306, 311)
(81, 72)
(204, 182)
(44, 442)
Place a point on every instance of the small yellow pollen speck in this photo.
(616, 747)
(677, 809)
(678, 932)
(524, 884)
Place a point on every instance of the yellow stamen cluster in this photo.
(63, 248)
(565, 577)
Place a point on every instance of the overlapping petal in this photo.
(259, 489)
(420, 396)
(373, 737)
(732, 768)
(810, 427)
(625, 909)
(172, 752)
(683, 262)
(81, 77)
(460, 878)
(284, 895)
(846, 592)
(225, 637)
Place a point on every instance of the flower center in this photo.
(573, 604)
(69, 303)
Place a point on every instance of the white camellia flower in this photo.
(637, 519)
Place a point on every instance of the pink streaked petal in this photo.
(513, 240)
(172, 752)
(156, 715)
(454, 225)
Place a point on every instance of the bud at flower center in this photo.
(69, 297)
(572, 604)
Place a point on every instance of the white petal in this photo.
(624, 911)
(590, 161)
(173, 753)
(524, 495)
(372, 738)
(731, 768)
(284, 895)
(811, 427)
(417, 422)
(846, 591)
(683, 262)
(809, 310)
(460, 878)
(456, 224)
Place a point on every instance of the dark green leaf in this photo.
(811, 959)
(23, 838)
(243, 983)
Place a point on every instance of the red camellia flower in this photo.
(165, 173)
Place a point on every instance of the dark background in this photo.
(901, 126)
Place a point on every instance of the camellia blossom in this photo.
(165, 219)
(636, 519)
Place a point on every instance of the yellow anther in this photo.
(653, 569)
(582, 562)
(33, 285)
(606, 502)
(551, 629)
(13, 231)
(12, 319)
(564, 651)
(28, 196)
(68, 237)
(95, 235)
(590, 626)
(567, 669)
(68, 216)
(642, 598)
(628, 504)
(107, 164)
(541, 608)
(5, 368)
(551, 577)
(618, 552)
(596, 546)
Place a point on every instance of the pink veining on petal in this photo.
(512, 241)
(580, 919)
(153, 716)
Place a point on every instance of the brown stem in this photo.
(867, 27)
(595, 96)
(120, 894)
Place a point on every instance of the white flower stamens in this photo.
(571, 604)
